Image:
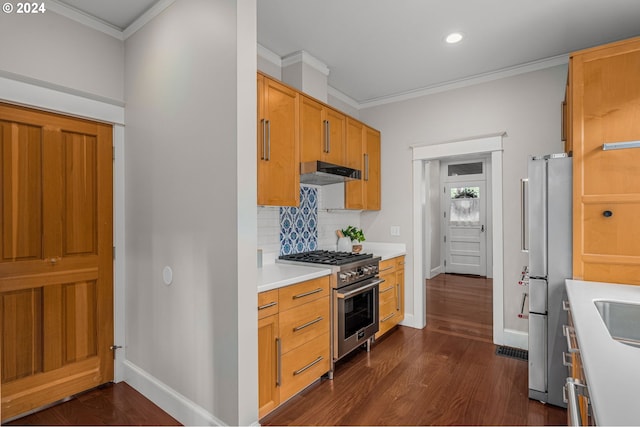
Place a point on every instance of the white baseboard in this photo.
(516, 339)
(435, 271)
(408, 321)
(179, 407)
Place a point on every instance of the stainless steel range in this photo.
(354, 308)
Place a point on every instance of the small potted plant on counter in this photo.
(356, 235)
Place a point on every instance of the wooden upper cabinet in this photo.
(363, 153)
(604, 108)
(322, 132)
(371, 173)
(354, 190)
(278, 144)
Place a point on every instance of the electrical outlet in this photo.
(395, 230)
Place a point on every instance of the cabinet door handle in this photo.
(620, 145)
(268, 140)
(366, 167)
(271, 304)
(264, 139)
(306, 294)
(524, 215)
(278, 362)
(306, 325)
(304, 368)
(398, 296)
(328, 125)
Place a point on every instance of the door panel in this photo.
(56, 269)
(465, 233)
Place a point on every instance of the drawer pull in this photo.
(386, 290)
(388, 317)
(569, 333)
(565, 362)
(271, 304)
(301, 370)
(306, 294)
(571, 392)
(385, 269)
(566, 306)
(306, 325)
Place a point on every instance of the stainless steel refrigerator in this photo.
(550, 263)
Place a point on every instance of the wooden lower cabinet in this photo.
(391, 294)
(293, 340)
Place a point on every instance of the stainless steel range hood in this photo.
(323, 173)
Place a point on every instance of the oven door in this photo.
(357, 314)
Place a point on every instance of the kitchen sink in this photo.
(622, 321)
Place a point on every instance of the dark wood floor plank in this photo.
(445, 374)
(114, 404)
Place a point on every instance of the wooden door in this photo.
(372, 170)
(56, 258)
(336, 123)
(354, 190)
(278, 146)
(312, 132)
(268, 360)
(605, 106)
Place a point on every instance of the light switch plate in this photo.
(395, 230)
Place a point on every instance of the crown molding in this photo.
(470, 81)
(306, 58)
(84, 18)
(343, 97)
(146, 17)
(104, 27)
(269, 55)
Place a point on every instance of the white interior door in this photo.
(465, 227)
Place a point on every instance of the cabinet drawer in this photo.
(386, 309)
(387, 266)
(267, 303)
(301, 324)
(612, 228)
(399, 262)
(387, 291)
(304, 365)
(302, 293)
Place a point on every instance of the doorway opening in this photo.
(427, 191)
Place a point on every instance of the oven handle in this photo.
(359, 290)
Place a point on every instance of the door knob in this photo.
(482, 228)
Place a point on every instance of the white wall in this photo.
(526, 106)
(61, 52)
(189, 96)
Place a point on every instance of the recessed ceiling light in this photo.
(454, 38)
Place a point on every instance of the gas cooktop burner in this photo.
(326, 257)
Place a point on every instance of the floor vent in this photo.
(515, 353)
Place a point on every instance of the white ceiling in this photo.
(380, 48)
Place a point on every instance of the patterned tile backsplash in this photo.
(299, 226)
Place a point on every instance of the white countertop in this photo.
(276, 275)
(611, 368)
(384, 250)
(273, 276)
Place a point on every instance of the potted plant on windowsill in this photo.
(356, 235)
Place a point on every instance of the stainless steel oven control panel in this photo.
(356, 273)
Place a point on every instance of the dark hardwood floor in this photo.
(445, 374)
(113, 404)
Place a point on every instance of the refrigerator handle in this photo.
(524, 218)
